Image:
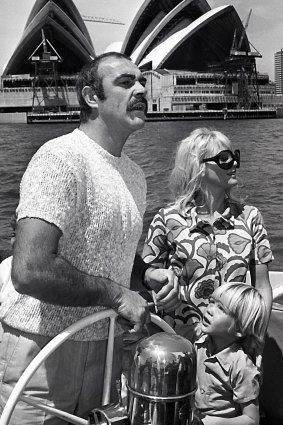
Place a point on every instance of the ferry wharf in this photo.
(74, 116)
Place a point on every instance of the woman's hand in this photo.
(165, 284)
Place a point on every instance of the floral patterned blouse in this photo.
(205, 256)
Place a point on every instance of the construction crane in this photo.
(102, 20)
(243, 62)
(236, 46)
(245, 29)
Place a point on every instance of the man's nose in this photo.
(140, 88)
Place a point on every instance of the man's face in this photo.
(124, 108)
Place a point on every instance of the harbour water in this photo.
(153, 148)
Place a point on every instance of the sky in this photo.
(265, 29)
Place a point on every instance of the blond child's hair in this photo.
(248, 308)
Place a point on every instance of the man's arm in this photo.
(38, 271)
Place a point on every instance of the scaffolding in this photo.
(48, 93)
(241, 65)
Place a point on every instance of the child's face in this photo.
(217, 320)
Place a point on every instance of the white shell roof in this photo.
(161, 52)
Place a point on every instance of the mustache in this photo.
(135, 103)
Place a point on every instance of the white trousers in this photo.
(70, 379)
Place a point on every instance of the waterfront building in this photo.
(40, 76)
(278, 71)
(194, 58)
(183, 91)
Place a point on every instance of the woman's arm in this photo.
(163, 282)
(156, 246)
(156, 254)
(260, 279)
(262, 255)
(249, 416)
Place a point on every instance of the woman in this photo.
(207, 236)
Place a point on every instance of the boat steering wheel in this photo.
(16, 394)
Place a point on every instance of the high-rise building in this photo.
(278, 71)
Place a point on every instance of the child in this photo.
(228, 356)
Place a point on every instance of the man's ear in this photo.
(89, 96)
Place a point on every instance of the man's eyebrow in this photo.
(130, 76)
(126, 75)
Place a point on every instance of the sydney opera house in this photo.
(195, 59)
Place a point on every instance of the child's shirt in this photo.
(225, 380)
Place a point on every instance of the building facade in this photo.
(194, 58)
(278, 71)
(183, 91)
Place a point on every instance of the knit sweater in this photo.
(97, 200)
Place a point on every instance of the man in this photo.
(79, 221)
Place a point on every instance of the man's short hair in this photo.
(89, 76)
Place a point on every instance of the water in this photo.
(153, 148)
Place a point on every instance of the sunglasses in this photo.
(225, 159)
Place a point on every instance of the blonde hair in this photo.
(248, 307)
(188, 171)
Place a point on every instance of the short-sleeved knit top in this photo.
(205, 256)
(97, 200)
